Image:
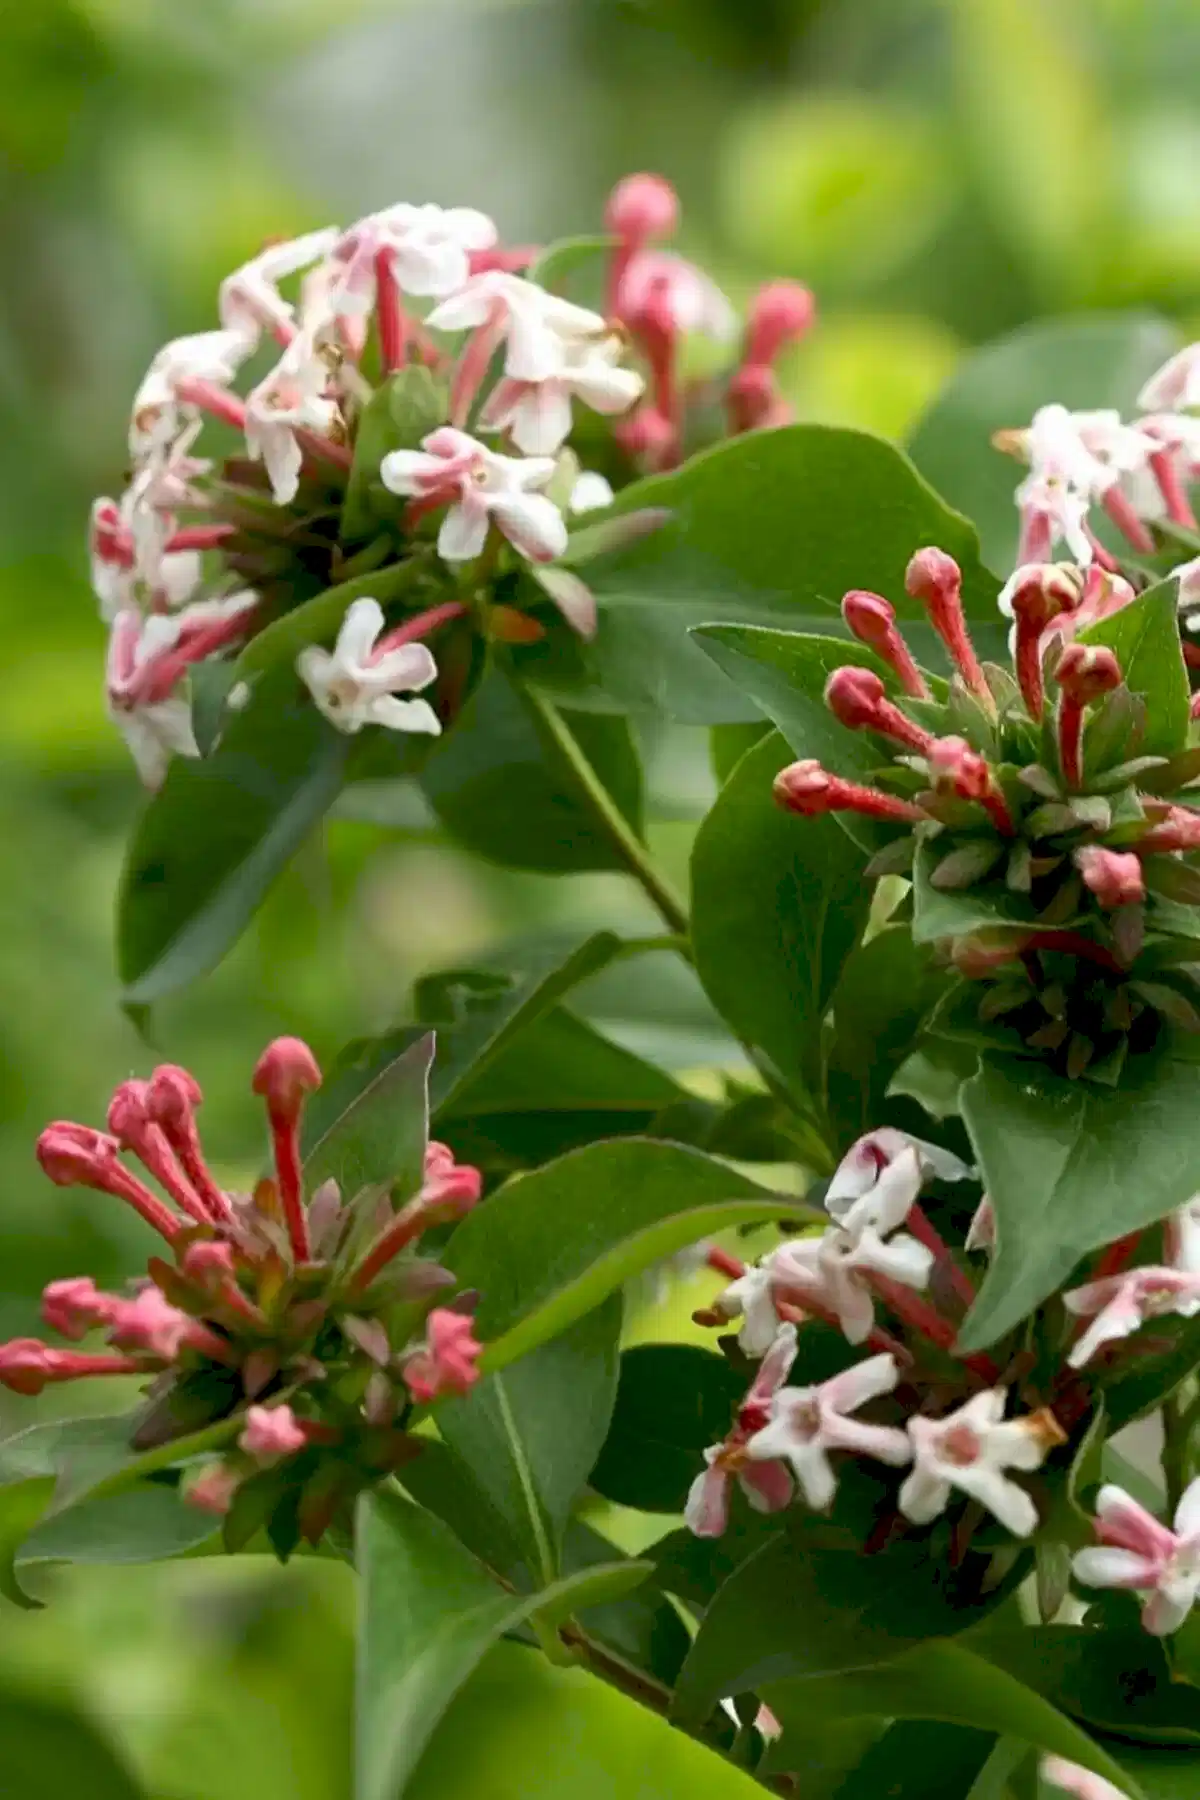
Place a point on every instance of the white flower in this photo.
(751, 1298)
(1051, 512)
(533, 324)
(356, 684)
(537, 414)
(692, 299)
(430, 247)
(1176, 385)
(249, 299)
(1077, 1781)
(593, 491)
(970, 1449)
(870, 1159)
(481, 486)
(766, 1484)
(1139, 1554)
(158, 414)
(843, 1263)
(1119, 1304)
(295, 396)
(154, 729)
(807, 1423)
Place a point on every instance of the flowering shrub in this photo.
(942, 1187)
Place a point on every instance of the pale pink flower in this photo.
(158, 414)
(766, 1484)
(534, 325)
(1119, 1304)
(154, 731)
(1176, 386)
(1139, 1554)
(76, 1306)
(871, 1157)
(356, 683)
(537, 414)
(480, 486)
(249, 300)
(295, 397)
(429, 251)
(807, 1423)
(271, 1433)
(692, 299)
(151, 1323)
(970, 1449)
(449, 1362)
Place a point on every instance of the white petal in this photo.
(1187, 1513)
(592, 491)
(402, 471)
(814, 1475)
(541, 420)
(409, 666)
(463, 533)
(1105, 1566)
(1003, 1498)
(463, 311)
(1164, 1613)
(533, 525)
(864, 1381)
(359, 630)
(923, 1496)
(885, 1443)
(316, 669)
(404, 715)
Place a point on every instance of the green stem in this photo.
(620, 833)
(1179, 1421)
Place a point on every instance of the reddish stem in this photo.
(1029, 664)
(925, 1232)
(213, 400)
(199, 537)
(908, 1305)
(1117, 1258)
(421, 625)
(285, 1137)
(1102, 554)
(1070, 739)
(393, 333)
(1073, 943)
(1120, 511)
(323, 448)
(408, 1224)
(795, 1306)
(1166, 473)
(472, 368)
(724, 1263)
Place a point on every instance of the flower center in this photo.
(960, 1445)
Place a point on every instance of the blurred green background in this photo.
(938, 170)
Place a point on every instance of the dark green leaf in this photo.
(1080, 362)
(919, 1759)
(318, 620)
(778, 904)
(429, 1613)
(765, 529)
(1160, 1774)
(642, 1627)
(1145, 638)
(561, 1063)
(727, 744)
(50, 1752)
(672, 1402)
(554, 1243)
(940, 913)
(211, 842)
(1070, 1167)
(500, 785)
(1133, 1386)
(530, 1436)
(887, 989)
(1113, 1681)
(404, 409)
(363, 1136)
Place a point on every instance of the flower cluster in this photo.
(201, 551)
(306, 1323)
(883, 1276)
(1024, 794)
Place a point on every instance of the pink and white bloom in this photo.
(154, 730)
(971, 1449)
(356, 683)
(751, 1298)
(807, 1423)
(159, 414)
(271, 1433)
(429, 250)
(1119, 1304)
(537, 414)
(1077, 1781)
(692, 299)
(1176, 386)
(871, 1158)
(449, 1362)
(766, 1483)
(837, 1270)
(249, 301)
(1051, 513)
(151, 1323)
(480, 486)
(534, 325)
(1141, 1555)
(295, 397)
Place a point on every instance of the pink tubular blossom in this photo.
(780, 314)
(286, 1072)
(1085, 673)
(76, 1306)
(1118, 1305)
(872, 619)
(78, 1156)
(131, 1123)
(1114, 876)
(449, 1362)
(935, 578)
(450, 1188)
(270, 1433)
(808, 789)
(766, 1481)
(858, 699)
(27, 1365)
(172, 1098)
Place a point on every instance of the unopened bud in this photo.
(954, 765)
(780, 312)
(75, 1155)
(172, 1094)
(285, 1072)
(641, 207)
(1087, 671)
(857, 699)
(1114, 876)
(808, 789)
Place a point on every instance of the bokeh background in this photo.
(938, 170)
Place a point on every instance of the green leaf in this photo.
(887, 989)
(1116, 1681)
(1133, 1386)
(501, 786)
(551, 1245)
(778, 904)
(938, 1680)
(404, 409)
(362, 1136)
(1081, 362)
(673, 1401)
(429, 1613)
(530, 1436)
(561, 259)
(561, 1063)
(50, 1752)
(793, 1609)
(1160, 1774)
(1145, 637)
(729, 552)
(318, 620)
(642, 1627)
(918, 1759)
(211, 842)
(942, 912)
(1070, 1167)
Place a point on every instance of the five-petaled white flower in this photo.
(537, 414)
(836, 1269)
(751, 1298)
(534, 325)
(356, 684)
(1142, 1556)
(295, 396)
(807, 1423)
(970, 1449)
(159, 414)
(1176, 386)
(249, 299)
(870, 1159)
(1118, 1304)
(428, 248)
(765, 1483)
(481, 486)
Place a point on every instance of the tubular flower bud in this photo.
(77, 1306)
(1035, 596)
(286, 1072)
(271, 1433)
(808, 789)
(872, 619)
(954, 765)
(1084, 673)
(1114, 876)
(1179, 829)
(935, 578)
(77, 1156)
(780, 313)
(857, 698)
(27, 1365)
(642, 207)
(753, 400)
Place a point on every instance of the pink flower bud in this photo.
(642, 207)
(1114, 876)
(754, 401)
(448, 1363)
(935, 578)
(213, 1489)
(649, 434)
(172, 1094)
(953, 764)
(284, 1073)
(150, 1323)
(780, 312)
(858, 699)
(451, 1187)
(1086, 671)
(74, 1307)
(808, 789)
(129, 1114)
(872, 619)
(75, 1155)
(206, 1260)
(271, 1432)
(26, 1365)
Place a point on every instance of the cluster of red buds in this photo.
(307, 1321)
(972, 1433)
(1027, 790)
(339, 476)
